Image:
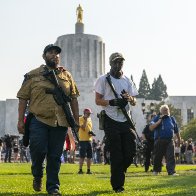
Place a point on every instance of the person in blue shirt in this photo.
(164, 127)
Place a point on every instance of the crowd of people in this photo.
(162, 146)
(100, 152)
(50, 93)
(186, 153)
(13, 150)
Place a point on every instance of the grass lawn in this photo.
(16, 179)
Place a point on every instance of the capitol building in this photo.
(84, 56)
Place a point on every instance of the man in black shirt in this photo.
(8, 145)
(148, 140)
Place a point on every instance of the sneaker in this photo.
(80, 172)
(174, 174)
(119, 190)
(155, 173)
(37, 184)
(54, 192)
(89, 172)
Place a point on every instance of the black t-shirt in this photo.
(190, 147)
(148, 133)
(183, 148)
(8, 142)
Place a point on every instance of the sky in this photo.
(158, 36)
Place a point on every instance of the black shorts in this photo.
(85, 149)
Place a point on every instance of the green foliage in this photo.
(16, 180)
(159, 90)
(189, 131)
(144, 86)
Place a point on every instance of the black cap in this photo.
(50, 47)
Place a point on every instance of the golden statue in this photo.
(79, 13)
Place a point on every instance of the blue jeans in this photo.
(46, 142)
(8, 154)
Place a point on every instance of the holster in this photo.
(26, 133)
(101, 117)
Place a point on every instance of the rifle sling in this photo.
(122, 109)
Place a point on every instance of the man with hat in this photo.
(120, 138)
(48, 124)
(85, 137)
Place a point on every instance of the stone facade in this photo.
(2, 117)
(186, 105)
(84, 56)
(8, 117)
(9, 109)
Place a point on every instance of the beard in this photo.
(51, 64)
(116, 74)
(116, 70)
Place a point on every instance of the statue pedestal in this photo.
(79, 27)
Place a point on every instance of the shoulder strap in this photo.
(108, 78)
(129, 119)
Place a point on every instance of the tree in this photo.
(153, 95)
(189, 130)
(159, 90)
(144, 86)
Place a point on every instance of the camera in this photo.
(165, 116)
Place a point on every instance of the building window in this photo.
(179, 112)
(190, 114)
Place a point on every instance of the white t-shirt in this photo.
(177, 149)
(102, 87)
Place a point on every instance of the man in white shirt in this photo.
(120, 137)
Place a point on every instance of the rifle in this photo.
(61, 99)
(129, 119)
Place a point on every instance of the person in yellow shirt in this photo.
(85, 138)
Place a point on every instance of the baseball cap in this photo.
(88, 110)
(50, 47)
(115, 56)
